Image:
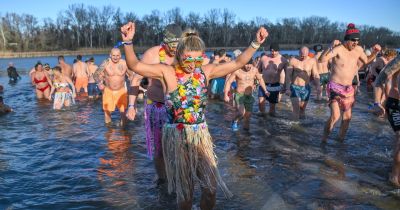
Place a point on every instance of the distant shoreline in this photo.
(99, 51)
(102, 51)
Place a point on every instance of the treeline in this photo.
(81, 26)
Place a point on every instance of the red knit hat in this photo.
(352, 32)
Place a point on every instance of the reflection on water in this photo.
(70, 160)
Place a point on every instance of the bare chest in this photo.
(115, 70)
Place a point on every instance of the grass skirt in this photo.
(189, 158)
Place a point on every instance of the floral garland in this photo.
(190, 105)
(162, 53)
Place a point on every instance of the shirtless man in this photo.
(81, 75)
(93, 90)
(110, 78)
(155, 112)
(392, 107)
(340, 90)
(271, 67)
(298, 75)
(66, 69)
(378, 65)
(323, 70)
(244, 78)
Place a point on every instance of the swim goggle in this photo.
(198, 62)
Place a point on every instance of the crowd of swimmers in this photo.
(177, 78)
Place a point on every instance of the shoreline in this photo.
(140, 50)
(99, 51)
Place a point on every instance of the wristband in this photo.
(255, 44)
(119, 44)
(131, 105)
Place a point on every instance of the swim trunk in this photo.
(355, 81)
(115, 99)
(81, 82)
(234, 85)
(246, 100)
(273, 89)
(393, 113)
(324, 78)
(342, 94)
(155, 116)
(302, 92)
(217, 86)
(93, 90)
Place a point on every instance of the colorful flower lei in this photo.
(190, 105)
(162, 53)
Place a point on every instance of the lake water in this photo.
(71, 160)
(26, 64)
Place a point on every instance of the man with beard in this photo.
(340, 90)
(155, 112)
(271, 66)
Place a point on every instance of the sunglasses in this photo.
(355, 40)
(172, 45)
(197, 61)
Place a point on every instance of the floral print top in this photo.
(186, 104)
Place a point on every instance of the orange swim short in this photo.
(81, 82)
(115, 98)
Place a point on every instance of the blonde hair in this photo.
(390, 53)
(190, 41)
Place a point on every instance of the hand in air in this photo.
(261, 35)
(336, 43)
(377, 48)
(128, 32)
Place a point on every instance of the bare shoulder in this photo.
(254, 70)
(122, 61)
(312, 61)
(151, 56)
(360, 50)
(292, 60)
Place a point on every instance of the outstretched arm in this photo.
(366, 60)
(331, 52)
(220, 70)
(154, 71)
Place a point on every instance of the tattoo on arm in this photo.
(99, 71)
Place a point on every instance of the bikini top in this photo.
(61, 85)
(187, 103)
(44, 79)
